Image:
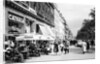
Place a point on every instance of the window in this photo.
(38, 30)
(29, 25)
(15, 27)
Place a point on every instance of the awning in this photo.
(33, 37)
(26, 37)
(46, 30)
(50, 31)
(47, 35)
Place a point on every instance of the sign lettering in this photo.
(15, 18)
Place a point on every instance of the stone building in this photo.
(22, 17)
(34, 20)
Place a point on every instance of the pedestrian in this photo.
(56, 48)
(88, 45)
(62, 47)
(66, 47)
(52, 48)
(48, 49)
(84, 47)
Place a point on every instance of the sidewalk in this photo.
(74, 54)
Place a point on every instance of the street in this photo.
(75, 53)
(47, 31)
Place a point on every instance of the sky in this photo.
(74, 14)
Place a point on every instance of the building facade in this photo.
(35, 20)
(28, 17)
(62, 31)
(59, 27)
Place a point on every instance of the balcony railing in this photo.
(19, 8)
(25, 4)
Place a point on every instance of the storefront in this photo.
(15, 23)
(19, 20)
(27, 26)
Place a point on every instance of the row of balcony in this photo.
(28, 8)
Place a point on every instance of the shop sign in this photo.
(15, 18)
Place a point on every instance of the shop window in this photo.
(29, 25)
(15, 27)
(32, 27)
(12, 27)
(38, 30)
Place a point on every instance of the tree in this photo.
(87, 32)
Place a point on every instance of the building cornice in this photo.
(25, 11)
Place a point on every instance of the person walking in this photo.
(62, 47)
(88, 46)
(66, 47)
(56, 48)
(84, 47)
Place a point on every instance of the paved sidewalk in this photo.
(75, 53)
